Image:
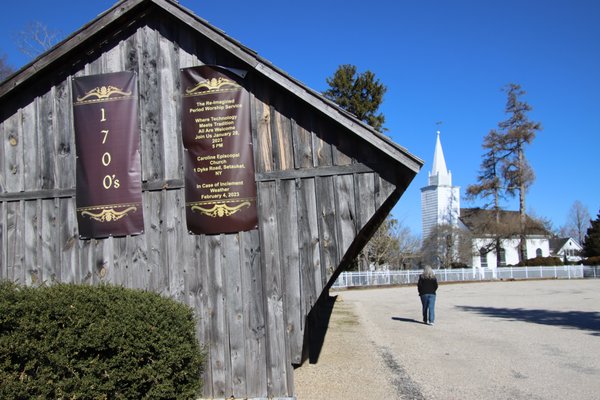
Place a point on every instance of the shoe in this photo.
(430, 323)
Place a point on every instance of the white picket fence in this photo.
(404, 277)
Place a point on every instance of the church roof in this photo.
(481, 221)
(439, 162)
(439, 174)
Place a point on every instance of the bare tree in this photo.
(5, 69)
(446, 246)
(393, 245)
(578, 221)
(36, 38)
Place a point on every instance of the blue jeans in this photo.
(428, 302)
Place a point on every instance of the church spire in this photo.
(439, 174)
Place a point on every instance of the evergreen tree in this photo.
(361, 94)
(591, 243)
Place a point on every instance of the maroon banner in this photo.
(107, 137)
(220, 190)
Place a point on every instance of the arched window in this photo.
(538, 252)
(483, 258)
(502, 257)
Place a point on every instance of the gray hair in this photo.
(428, 272)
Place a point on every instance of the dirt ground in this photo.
(492, 340)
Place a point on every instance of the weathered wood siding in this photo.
(317, 190)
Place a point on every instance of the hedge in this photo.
(541, 261)
(592, 261)
(83, 342)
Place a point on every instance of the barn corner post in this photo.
(322, 180)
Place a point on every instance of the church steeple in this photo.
(439, 174)
(440, 201)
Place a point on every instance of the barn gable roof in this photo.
(126, 12)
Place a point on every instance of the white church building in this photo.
(440, 204)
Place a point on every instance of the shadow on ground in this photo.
(317, 323)
(583, 320)
(406, 320)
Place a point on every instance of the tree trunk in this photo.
(522, 216)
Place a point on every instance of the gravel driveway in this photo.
(492, 340)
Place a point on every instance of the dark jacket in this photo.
(427, 286)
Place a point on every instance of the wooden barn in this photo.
(324, 182)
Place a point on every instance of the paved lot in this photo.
(496, 340)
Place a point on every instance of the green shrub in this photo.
(541, 262)
(84, 342)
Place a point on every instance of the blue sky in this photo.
(441, 61)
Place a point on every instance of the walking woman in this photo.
(427, 287)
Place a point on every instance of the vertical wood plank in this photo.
(112, 59)
(231, 264)
(130, 53)
(169, 103)
(343, 144)
(346, 212)
(50, 258)
(187, 49)
(276, 337)
(67, 239)
(386, 189)
(29, 135)
(31, 270)
(264, 145)
(3, 157)
(65, 136)
(101, 260)
(3, 248)
(172, 239)
(46, 152)
(106, 263)
(283, 154)
(310, 255)
(365, 198)
(323, 153)
(84, 252)
(326, 208)
(95, 66)
(120, 268)
(155, 268)
(14, 252)
(219, 346)
(13, 155)
(289, 217)
(141, 257)
(254, 312)
(152, 146)
(302, 138)
(202, 294)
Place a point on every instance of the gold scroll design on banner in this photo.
(108, 213)
(213, 85)
(220, 210)
(102, 93)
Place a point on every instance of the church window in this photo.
(538, 252)
(502, 257)
(483, 258)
